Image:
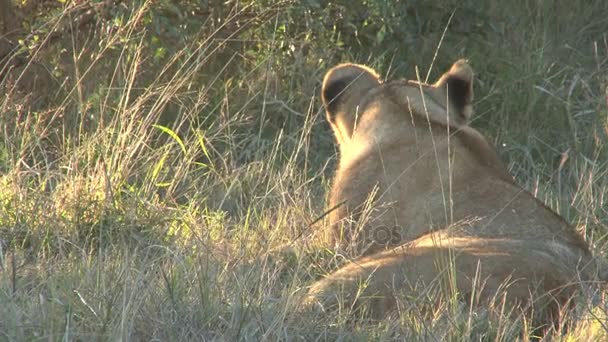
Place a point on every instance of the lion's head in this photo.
(348, 89)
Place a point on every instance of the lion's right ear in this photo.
(343, 88)
(457, 84)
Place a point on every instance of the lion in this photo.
(416, 186)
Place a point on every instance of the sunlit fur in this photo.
(415, 184)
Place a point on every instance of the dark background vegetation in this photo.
(522, 52)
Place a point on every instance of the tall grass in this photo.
(179, 197)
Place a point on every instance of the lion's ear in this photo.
(458, 84)
(343, 88)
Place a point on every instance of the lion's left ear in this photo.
(458, 85)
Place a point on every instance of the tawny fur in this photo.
(415, 183)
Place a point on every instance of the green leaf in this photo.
(173, 135)
(381, 34)
(201, 141)
(159, 166)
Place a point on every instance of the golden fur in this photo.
(416, 184)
